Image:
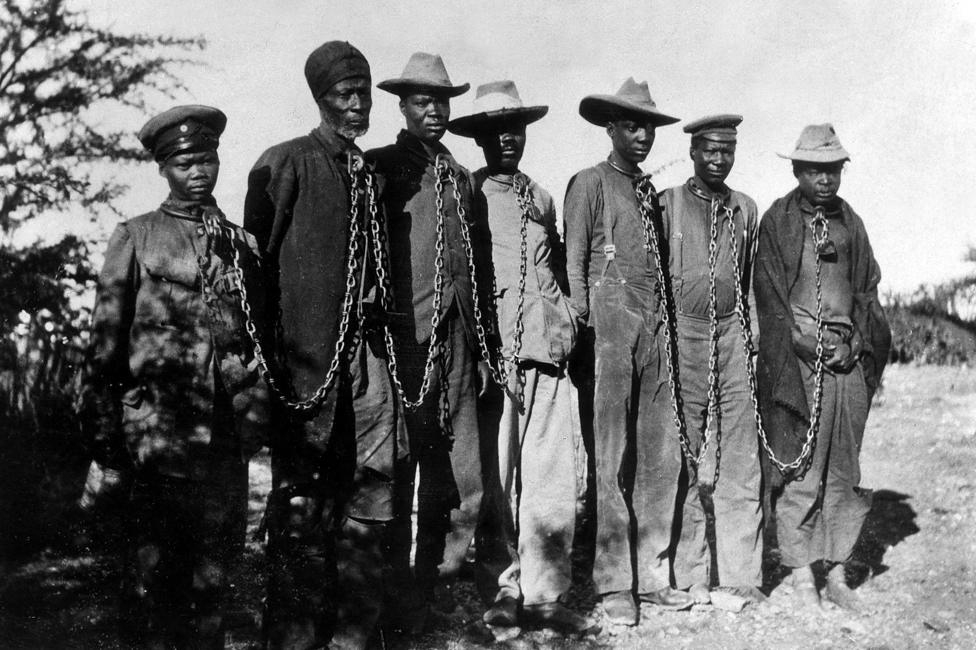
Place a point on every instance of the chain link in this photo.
(805, 456)
(434, 347)
(647, 200)
(496, 370)
(216, 229)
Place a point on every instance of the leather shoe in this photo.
(620, 608)
(558, 617)
(502, 613)
(668, 598)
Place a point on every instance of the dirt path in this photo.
(916, 563)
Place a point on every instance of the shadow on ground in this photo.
(889, 522)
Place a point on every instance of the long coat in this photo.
(783, 398)
(298, 208)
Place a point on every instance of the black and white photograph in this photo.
(364, 325)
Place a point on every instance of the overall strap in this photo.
(609, 218)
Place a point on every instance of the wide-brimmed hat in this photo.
(494, 102)
(632, 98)
(818, 143)
(423, 72)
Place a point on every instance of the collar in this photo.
(416, 148)
(631, 175)
(832, 210)
(698, 187)
(334, 144)
(502, 179)
(189, 210)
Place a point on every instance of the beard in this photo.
(352, 130)
(348, 125)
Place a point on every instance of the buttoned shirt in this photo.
(686, 216)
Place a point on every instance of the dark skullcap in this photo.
(183, 129)
(332, 62)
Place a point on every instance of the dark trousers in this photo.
(448, 455)
(820, 516)
(732, 462)
(326, 527)
(634, 441)
(183, 538)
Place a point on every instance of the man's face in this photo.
(426, 115)
(345, 107)
(632, 138)
(191, 176)
(819, 182)
(713, 161)
(503, 147)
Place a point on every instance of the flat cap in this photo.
(331, 63)
(714, 127)
(182, 129)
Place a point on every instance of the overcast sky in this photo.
(895, 78)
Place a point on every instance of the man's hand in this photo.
(104, 486)
(842, 358)
(805, 347)
(484, 378)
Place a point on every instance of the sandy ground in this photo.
(915, 567)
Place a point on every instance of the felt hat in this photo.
(183, 129)
(633, 98)
(818, 143)
(332, 62)
(720, 128)
(495, 102)
(423, 72)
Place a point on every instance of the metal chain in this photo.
(711, 409)
(386, 293)
(646, 200)
(523, 197)
(215, 229)
(497, 372)
(805, 456)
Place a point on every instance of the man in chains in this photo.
(535, 416)
(616, 287)
(441, 284)
(335, 435)
(176, 401)
(824, 345)
(711, 232)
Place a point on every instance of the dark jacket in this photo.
(298, 208)
(783, 398)
(171, 372)
(410, 200)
